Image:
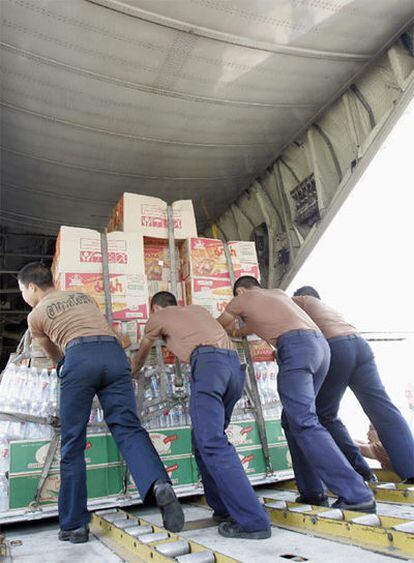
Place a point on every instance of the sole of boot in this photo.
(171, 510)
(371, 509)
(74, 539)
(263, 535)
(324, 502)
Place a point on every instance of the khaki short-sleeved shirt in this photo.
(269, 313)
(330, 322)
(185, 328)
(65, 315)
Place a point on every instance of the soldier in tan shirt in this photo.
(217, 381)
(71, 324)
(353, 365)
(303, 359)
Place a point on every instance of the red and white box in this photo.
(204, 257)
(156, 286)
(130, 333)
(79, 250)
(148, 216)
(213, 294)
(242, 252)
(158, 261)
(129, 293)
(247, 270)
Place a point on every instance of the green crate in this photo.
(245, 433)
(29, 455)
(179, 469)
(102, 481)
(280, 457)
(252, 460)
(171, 441)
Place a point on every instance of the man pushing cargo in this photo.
(303, 359)
(74, 334)
(217, 381)
(353, 365)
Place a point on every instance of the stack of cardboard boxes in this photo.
(139, 261)
(77, 266)
(206, 275)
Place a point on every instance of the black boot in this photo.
(171, 510)
(318, 500)
(219, 518)
(369, 507)
(78, 535)
(232, 530)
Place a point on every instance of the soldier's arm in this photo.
(52, 351)
(138, 360)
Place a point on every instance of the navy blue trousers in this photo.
(303, 359)
(353, 365)
(217, 384)
(100, 368)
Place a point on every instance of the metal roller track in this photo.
(383, 534)
(393, 491)
(135, 539)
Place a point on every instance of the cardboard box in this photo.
(245, 433)
(253, 460)
(180, 470)
(174, 441)
(260, 350)
(204, 257)
(28, 456)
(156, 286)
(208, 288)
(79, 250)
(148, 216)
(157, 260)
(243, 252)
(211, 293)
(280, 457)
(247, 270)
(129, 292)
(129, 333)
(102, 481)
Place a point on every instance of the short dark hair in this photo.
(307, 290)
(247, 282)
(37, 273)
(163, 299)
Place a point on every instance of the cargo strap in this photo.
(45, 469)
(392, 492)
(384, 534)
(105, 277)
(174, 279)
(22, 350)
(131, 538)
(252, 387)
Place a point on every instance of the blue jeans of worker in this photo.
(100, 368)
(353, 365)
(216, 386)
(303, 359)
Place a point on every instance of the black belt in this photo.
(205, 348)
(88, 339)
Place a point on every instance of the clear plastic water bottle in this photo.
(52, 394)
(14, 390)
(4, 494)
(155, 387)
(4, 453)
(8, 376)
